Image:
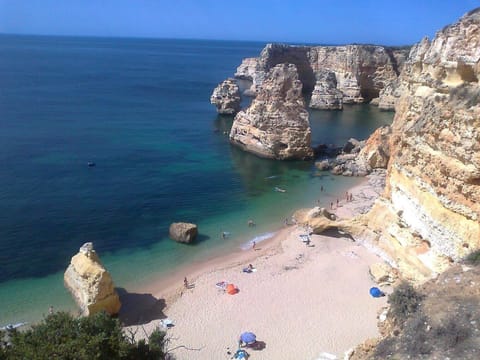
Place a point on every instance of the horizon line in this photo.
(195, 39)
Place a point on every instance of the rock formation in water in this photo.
(90, 283)
(276, 124)
(429, 215)
(360, 71)
(226, 97)
(183, 232)
(325, 95)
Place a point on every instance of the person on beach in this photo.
(331, 206)
(253, 245)
(337, 203)
(185, 282)
(321, 188)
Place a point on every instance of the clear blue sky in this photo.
(321, 21)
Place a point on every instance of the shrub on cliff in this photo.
(403, 302)
(60, 336)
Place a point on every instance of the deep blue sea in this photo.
(139, 109)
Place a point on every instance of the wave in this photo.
(257, 239)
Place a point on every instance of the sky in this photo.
(387, 22)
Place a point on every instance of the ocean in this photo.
(139, 109)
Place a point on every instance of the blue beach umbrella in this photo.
(376, 292)
(248, 338)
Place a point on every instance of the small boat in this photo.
(91, 164)
(277, 189)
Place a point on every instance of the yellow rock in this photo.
(90, 283)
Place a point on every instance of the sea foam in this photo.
(257, 239)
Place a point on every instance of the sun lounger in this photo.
(166, 323)
(221, 285)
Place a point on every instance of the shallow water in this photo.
(140, 110)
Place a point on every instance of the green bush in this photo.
(404, 301)
(60, 336)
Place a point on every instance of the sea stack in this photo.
(226, 97)
(90, 283)
(333, 75)
(276, 124)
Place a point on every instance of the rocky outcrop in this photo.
(246, 71)
(226, 97)
(429, 215)
(325, 95)
(359, 158)
(361, 71)
(183, 232)
(276, 124)
(90, 283)
(376, 152)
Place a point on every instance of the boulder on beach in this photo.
(91, 284)
(183, 232)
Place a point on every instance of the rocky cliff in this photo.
(359, 72)
(276, 123)
(430, 212)
(90, 283)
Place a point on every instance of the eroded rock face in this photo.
(226, 97)
(276, 124)
(325, 95)
(90, 283)
(376, 151)
(433, 183)
(183, 232)
(361, 71)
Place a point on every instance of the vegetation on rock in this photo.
(61, 336)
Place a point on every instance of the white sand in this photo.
(302, 301)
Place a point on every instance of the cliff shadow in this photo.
(337, 233)
(138, 309)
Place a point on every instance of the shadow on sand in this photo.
(336, 233)
(139, 309)
(258, 345)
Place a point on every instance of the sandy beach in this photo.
(302, 301)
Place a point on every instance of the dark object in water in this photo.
(91, 164)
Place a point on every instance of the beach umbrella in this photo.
(248, 338)
(376, 292)
(231, 289)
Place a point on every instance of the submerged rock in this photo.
(183, 232)
(90, 283)
(276, 124)
(226, 97)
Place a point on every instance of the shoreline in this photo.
(170, 283)
(174, 301)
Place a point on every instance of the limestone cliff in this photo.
(361, 71)
(325, 95)
(90, 283)
(430, 212)
(276, 123)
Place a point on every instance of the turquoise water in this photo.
(140, 110)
